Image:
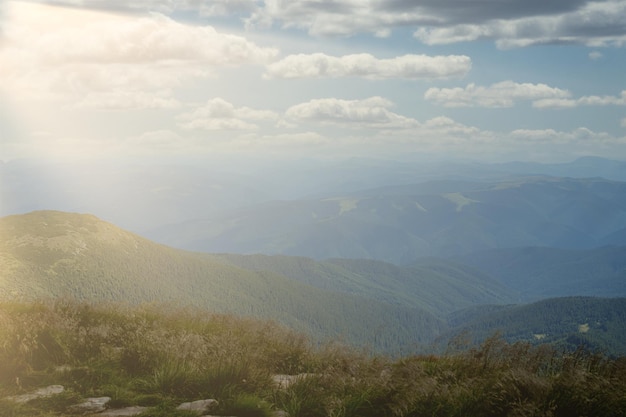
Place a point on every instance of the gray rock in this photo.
(200, 406)
(283, 381)
(123, 412)
(48, 391)
(90, 406)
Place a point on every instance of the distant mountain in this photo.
(400, 224)
(541, 272)
(571, 322)
(145, 196)
(136, 197)
(54, 254)
(585, 167)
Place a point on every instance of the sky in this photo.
(492, 80)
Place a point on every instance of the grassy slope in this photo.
(54, 254)
(159, 359)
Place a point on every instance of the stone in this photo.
(48, 391)
(123, 412)
(90, 406)
(283, 381)
(200, 406)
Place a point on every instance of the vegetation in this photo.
(387, 308)
(51, 254)
(155, 357)
(569, 322)
(439, 286)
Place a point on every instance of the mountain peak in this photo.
(61, 236)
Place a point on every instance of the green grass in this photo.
(159, 358)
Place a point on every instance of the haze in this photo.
(101, 99)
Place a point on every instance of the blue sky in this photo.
(491, 80)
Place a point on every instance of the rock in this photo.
(284, 381)
(90, 406)
(123, 412)
(48, 391)
(200, 406)
(280, 413)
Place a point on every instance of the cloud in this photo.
(502, 94)
(200, 7)
(511, 23)
(218, 114)
(367, 66)
(128, 100)
(594, 23)
(582, 101)
(372, 112)
(595, 55)
(101, 60)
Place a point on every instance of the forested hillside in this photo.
(436, 285)
(598, 324)
(366, 303)
(542, 272)
(60, 255)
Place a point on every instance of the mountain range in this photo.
(47, 255)
(146, 197)
(400, 224)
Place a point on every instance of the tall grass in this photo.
(159, 357)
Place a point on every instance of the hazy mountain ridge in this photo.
(542, 272)
(175, 191)
(400, 224)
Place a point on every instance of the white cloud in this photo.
(502, 94)
(128, 100)
(99, 59)
(595, 55)
(582, 101)
(199, 7)
(367, 66)
(372, 112)
(218, 114)
(511, 23)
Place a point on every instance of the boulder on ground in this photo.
(48, 391)
(200, 406)
(90, 406)
(123, 412)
